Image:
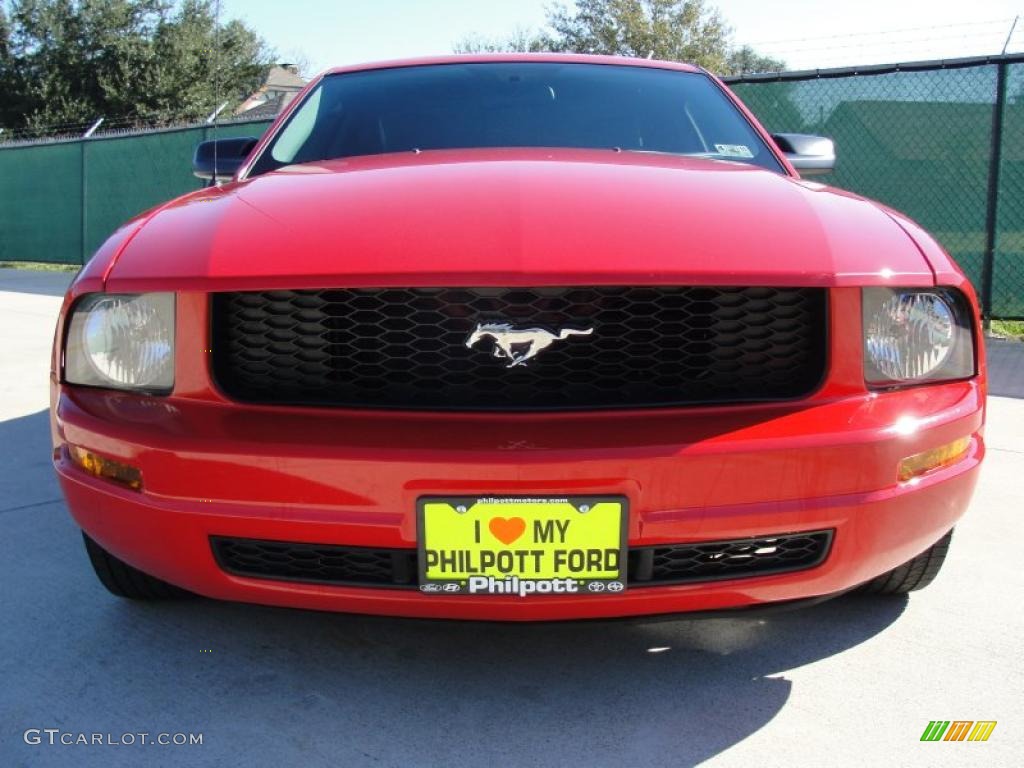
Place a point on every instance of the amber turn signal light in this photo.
(944, 455)
(106, 469)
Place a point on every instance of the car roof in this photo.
(461, 58)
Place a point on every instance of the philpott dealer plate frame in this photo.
(522, 545)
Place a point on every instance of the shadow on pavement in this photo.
(1005, 361)
(296, 687)
(35, 281)
(26, 472)
(585, 693)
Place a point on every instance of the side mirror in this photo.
(219, 159)
(811, 155)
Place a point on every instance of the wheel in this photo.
(914, 574)
(124, 581)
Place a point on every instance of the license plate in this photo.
(522, 546)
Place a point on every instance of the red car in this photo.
(517, 337)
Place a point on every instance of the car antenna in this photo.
(216, 83)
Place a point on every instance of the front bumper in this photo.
(346, 478)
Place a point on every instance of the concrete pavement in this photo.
(850, 682)
(1006, 368)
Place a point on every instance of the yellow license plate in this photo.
(522, 546)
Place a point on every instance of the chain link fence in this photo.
(1008, 263)
(943, 142)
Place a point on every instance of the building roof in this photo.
(281, 85)
(285, 77)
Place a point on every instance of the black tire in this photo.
(124, 581)
(914, 574)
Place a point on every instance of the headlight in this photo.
(122, 341)
(916, 335)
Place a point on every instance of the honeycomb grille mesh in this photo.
(648, 566)
(315, 563)
(709, 561)
(406, 348)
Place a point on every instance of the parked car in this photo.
(518, 337)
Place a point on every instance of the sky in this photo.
(807, 34)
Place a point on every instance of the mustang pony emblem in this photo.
(517, 345)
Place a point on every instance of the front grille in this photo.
(736, 559)
(324, 563)
(406, 348)
(648, 566)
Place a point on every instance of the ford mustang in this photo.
(517, 337)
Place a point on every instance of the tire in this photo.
(124, 581)
(914, 574)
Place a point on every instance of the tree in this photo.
(6, 71)
(676, 30)
(521, 40)
(745, 59)
(200, 64)
(67, 62)
(681, 30)
(5, 36)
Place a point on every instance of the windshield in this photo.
(515, 104)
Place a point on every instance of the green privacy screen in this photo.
(1008, 263)
(60, 201)
(919, 138)
(41, 203)
(921, 141)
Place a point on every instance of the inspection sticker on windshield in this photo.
(733, 150)
(522, 546)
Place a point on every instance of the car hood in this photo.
(516, 217)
